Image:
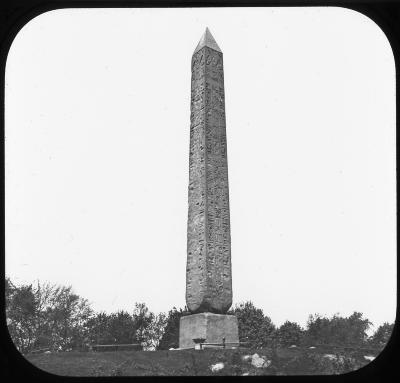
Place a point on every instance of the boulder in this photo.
(258, 361)
(217, 367)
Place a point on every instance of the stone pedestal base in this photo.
(212, 327)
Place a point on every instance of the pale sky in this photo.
(97, 117)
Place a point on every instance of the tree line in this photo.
(48, 316)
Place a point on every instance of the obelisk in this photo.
(208, 272)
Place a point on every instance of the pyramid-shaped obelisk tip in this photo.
(207, 40)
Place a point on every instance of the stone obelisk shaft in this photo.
(208, 273)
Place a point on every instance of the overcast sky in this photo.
(97, 117)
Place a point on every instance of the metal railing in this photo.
(222, 344)
(116, 347)
(343, 347)
(40, 350)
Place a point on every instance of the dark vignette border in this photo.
(14, 14)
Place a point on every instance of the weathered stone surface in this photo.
(207, 40)
(208, 273)
(208, 326)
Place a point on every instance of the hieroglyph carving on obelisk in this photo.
(208, 273)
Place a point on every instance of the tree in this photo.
(142, 327)
(143, 319)
(114, 328)
(382, 335)
(254, 326)
(63, 316)
(45, 315)
(288, 334)
(21, 313)
(9, 291)
(170, 337)
(350, 331)
(98, 326)
(121, 328)
(155, 331)
(80, 328)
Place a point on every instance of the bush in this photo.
(170, 338)
(289, 333)
(381, 336)
(254, 327)
(350, 331)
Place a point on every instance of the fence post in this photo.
(223, 342)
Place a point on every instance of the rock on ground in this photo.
(258, 361)
(217, 366)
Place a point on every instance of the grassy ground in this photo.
(283, 361)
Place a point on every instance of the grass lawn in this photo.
(284, 361)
